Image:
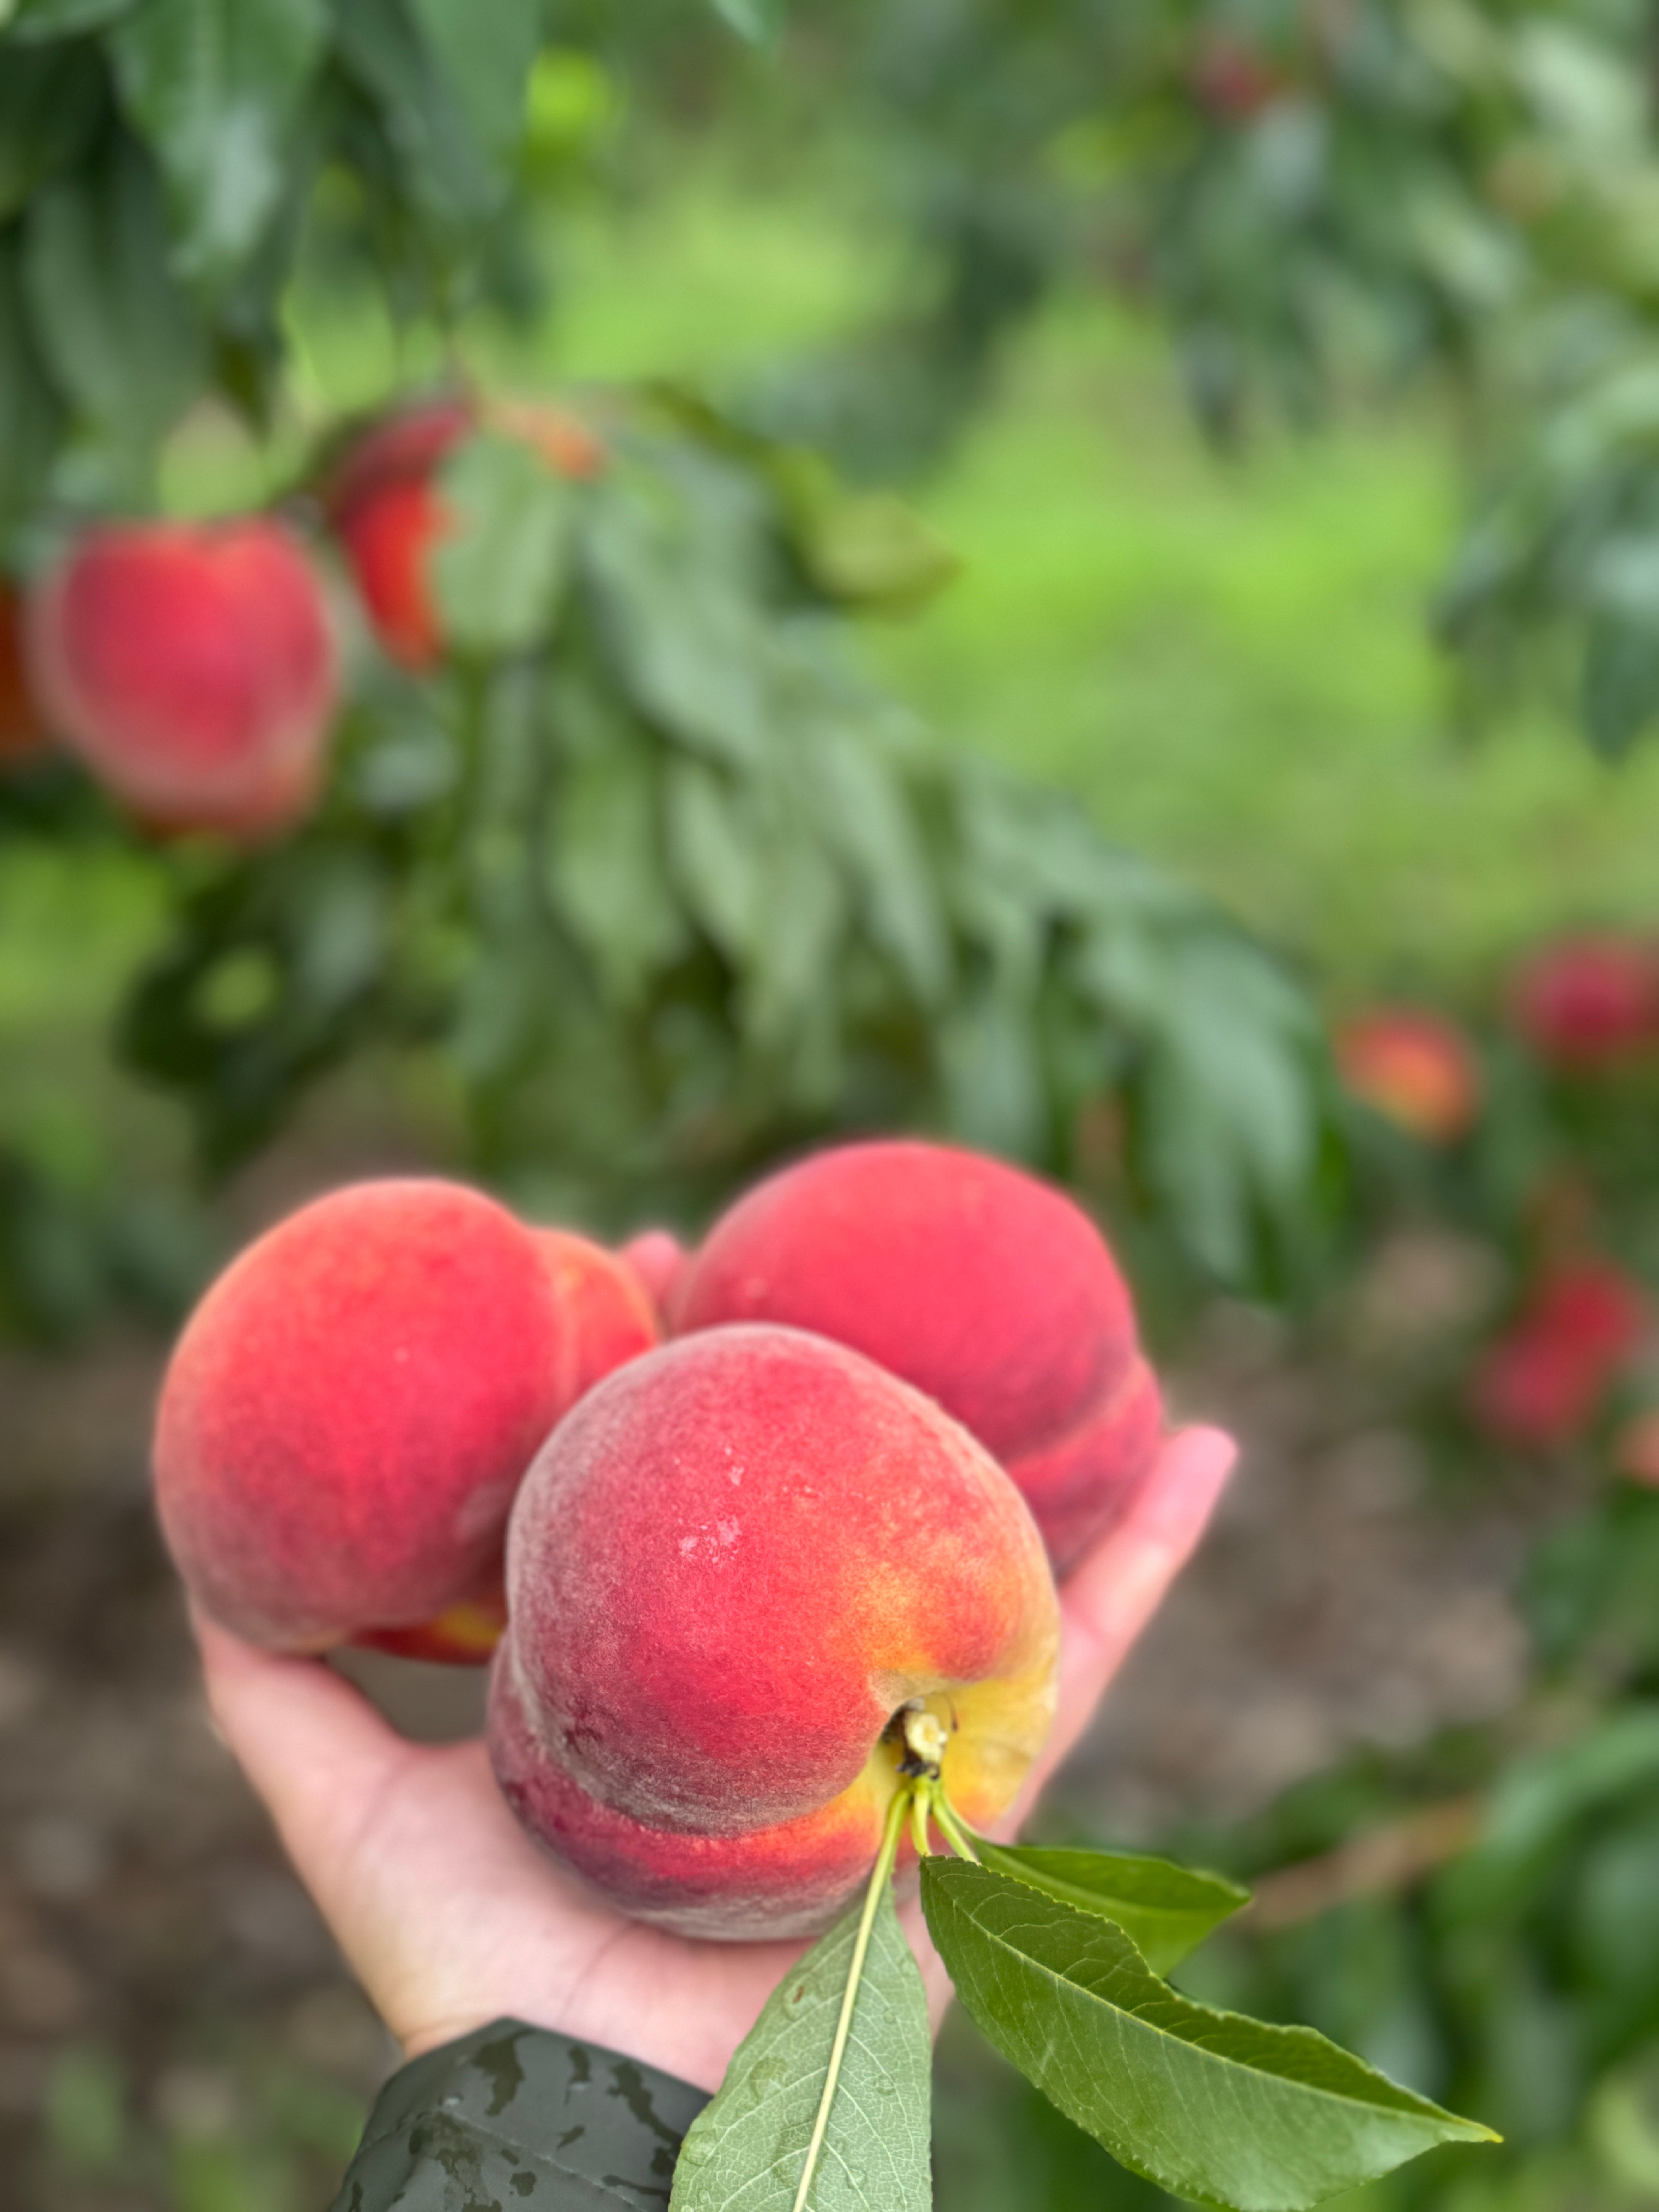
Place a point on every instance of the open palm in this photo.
(452, 1917)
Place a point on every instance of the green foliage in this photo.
(748, 2147)
(672, 887)
(1165, 1911)
(1218, 2108)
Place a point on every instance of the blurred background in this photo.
(1085, 579)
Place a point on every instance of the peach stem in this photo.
(951, 1828)
(878, 1879)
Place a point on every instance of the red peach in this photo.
(22, 733)
(1414, 1068)
(1543, 1380)
(1232, 79)
(659, 1260)
(389, 515)
(980, 1286)
(1588, 1002)
(350, 1409)
(191, 668)
(607, 1311)
(729, 1569)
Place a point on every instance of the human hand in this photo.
(451, 1917)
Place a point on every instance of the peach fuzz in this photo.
(728, 1570)
(605, 1316)
(193, 669)
(349, 1410)
(987, 1289)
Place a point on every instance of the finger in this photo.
(315, 1750)
(1107, 1603)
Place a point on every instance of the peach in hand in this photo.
(191, 668)
(352, 1406)
(731, 1568)
(988, 1289)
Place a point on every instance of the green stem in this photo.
(951, 1829)
(878, 1880)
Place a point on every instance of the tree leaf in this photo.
(215, 86)
(122, 342)
(758, 20)
(1227, 2110)
(52, 101)
(444, 170)
(501, 567)
(745, 2151)
(485, 49)
(1166, 1911)
(39, 21)
(31, 415)
(605, 864)
(688, 649)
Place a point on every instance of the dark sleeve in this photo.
(513, 2119)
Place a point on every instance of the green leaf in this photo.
(745, 2151)
(870, 550)
(444, 169)
(485, 49)
(870, 828)
(606, 866)
(39, 21)
(1224, 2110)
(688, 649)
(51, 100)
(758, 20)
(1166, 1911)
(31, 416)
(215, 87)
(1620, 693)
(717, 859)
(500, 569)
(122, 341)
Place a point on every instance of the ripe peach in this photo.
(389, 516)
(1412, 1067)
(349, 1410)
(191, 668)
(985, 1288)
(659, 1260)
(727, 1571)
(606, 1310)
(1541, 1383)
(22, 733)
(1588, 1002)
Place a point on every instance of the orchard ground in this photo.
(1227, 661)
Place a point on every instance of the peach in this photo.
(353, 1402)
(659, 1260)
(1542, 1382)
(389, 515)
(1412, 1067)
(969, 1278)
(729, 1569)
(22, 733)
(191, 668)
(607, 1311)
(1588, 1002)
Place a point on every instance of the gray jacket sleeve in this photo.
(513, 2119)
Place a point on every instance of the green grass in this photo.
(1228, 660)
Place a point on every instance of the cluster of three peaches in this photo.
(901, 1390)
